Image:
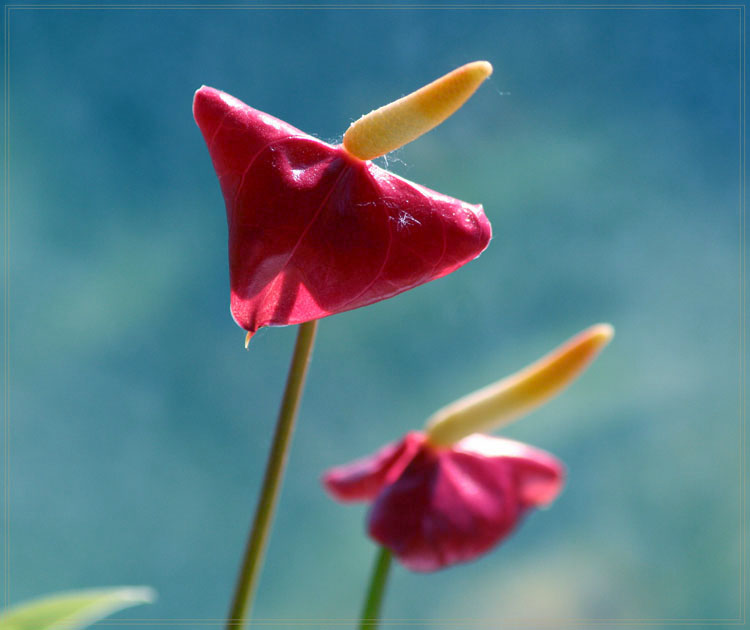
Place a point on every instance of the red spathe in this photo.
(435, 507)
(314, 231)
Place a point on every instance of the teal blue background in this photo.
(606, 152)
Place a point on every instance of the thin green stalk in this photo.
(256, 543)
(371, 610)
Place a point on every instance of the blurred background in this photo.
(606, 152)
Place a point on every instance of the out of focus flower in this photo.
(449, 494)
(316, 229)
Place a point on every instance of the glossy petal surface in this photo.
(314, 231)
(449, 505)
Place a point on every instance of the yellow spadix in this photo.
(516, 395)
(394, 125)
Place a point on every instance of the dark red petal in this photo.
(452, 505)
(363, 479)
(539, 476)
(314, 231)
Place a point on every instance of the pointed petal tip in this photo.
(333, 483)
(196, 98)
(206, 106)
(211, 105)
(325, 481)
(202, 93)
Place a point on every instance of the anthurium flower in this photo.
(317, 229)
(448, 494)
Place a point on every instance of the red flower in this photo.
(438, 506)
(450, 494)
(315, 231)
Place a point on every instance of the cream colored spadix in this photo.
(516, 395)
(394, 125)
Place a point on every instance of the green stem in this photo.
(256, 544)
(371, 609)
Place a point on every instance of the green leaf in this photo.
(74, 609)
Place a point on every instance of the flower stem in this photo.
(256, 544)
(371, 610)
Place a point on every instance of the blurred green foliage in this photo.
(73, 610)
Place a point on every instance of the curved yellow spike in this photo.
(516, 395)
(394, 125)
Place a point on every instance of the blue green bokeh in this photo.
(606, 151)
